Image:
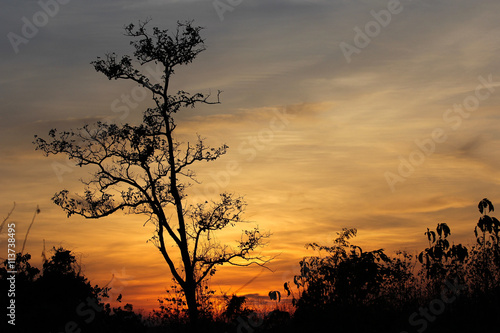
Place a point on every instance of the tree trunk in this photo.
(190, 293)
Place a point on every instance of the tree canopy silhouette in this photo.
(47, 300)
(143, 169)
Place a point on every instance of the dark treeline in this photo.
(445, 288)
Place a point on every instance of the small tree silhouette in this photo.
(488, 226)
(46, 301)
(486, 254)
(235, 307)
(345, 277)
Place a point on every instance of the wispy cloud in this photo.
(304, 181)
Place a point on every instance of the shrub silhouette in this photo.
(346, 282)
(345, 276)
(47, 301)
(485, 263)
(235, 308)
(351, 290)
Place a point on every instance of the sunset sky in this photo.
(374, 114)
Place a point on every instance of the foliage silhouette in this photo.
(485, 263)
(345, 280)
(58, 295)
(235, 308)
(345, 276)
(146, 166)
(382, 293)
(347, 289)
(440, 256)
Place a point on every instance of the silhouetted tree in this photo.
(344, 284)
(58, 297)
(18, 287)
(441, 260)
(24, 271)
(65, 293)
(345, 276)
(125, 320)
(485, 255)
(235, 307)
(146, 166)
